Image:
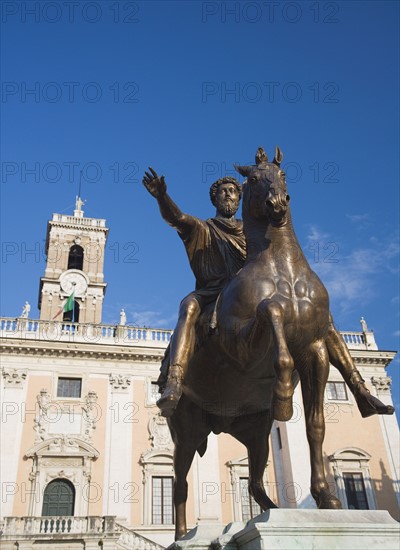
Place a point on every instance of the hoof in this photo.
(179, 534)
(368, 405)
(330, 504)
(167, 405)
(282, 409)
(326, 500)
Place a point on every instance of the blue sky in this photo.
(190, 88)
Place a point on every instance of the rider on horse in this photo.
(216, 249)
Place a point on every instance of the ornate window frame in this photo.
(63, 457)
(155, 463)
(352, 460)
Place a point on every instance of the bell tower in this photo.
(75, 247)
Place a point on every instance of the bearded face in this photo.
(227, 200)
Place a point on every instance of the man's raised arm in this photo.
(157, 187)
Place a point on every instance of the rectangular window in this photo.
(69, 387)
(355, 491)
(162, 501)
(250, 508)
(336, 391)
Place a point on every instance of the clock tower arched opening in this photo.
(72, 316)
(75, 258)
(75, 248)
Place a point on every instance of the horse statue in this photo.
(273, 325)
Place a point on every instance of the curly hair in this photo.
(226, 179)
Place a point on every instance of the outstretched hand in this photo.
(154, 184)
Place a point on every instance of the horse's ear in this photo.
(278, 156)
(261, 156)
(243, 170)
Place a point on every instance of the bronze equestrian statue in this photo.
(272, 320)
(217, 250)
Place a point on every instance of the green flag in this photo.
(69, 304)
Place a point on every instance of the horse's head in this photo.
(264, 193)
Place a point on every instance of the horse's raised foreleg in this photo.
(314, 370)
(341, 359)
(282, 404)
(253, 431)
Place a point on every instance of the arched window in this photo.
(68, 317)
(75, 258)
(59, 498)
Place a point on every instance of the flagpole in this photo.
(80, 184)
(73, 304)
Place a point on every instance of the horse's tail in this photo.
(201, 449)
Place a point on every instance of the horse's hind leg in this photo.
(282, 404)
(183, 458)
(253, 431)
(314, 369)
(189, 430)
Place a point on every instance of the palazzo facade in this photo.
(86, 458)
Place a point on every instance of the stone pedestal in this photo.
(286, 529)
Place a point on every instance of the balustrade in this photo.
(31, 329)
(92, 222)
(65, 331)
(59, 527)
(354, 340)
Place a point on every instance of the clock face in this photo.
(73, 280)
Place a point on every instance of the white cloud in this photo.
(358, 218)
(148, 318)
(354, 277)
(315, 234)
(140, 316)
(360, 221)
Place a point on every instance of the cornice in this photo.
(81, 350)
(82, 227)
(372, 357)
(148, 354)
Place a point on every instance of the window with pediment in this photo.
(353, 478)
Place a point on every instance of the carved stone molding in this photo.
(160, 436)
(46, 425)
(64, 444)
(40, 423)
(120, 382)
(14, 378)
(382, 384)
(91, 413)
(64, 462)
